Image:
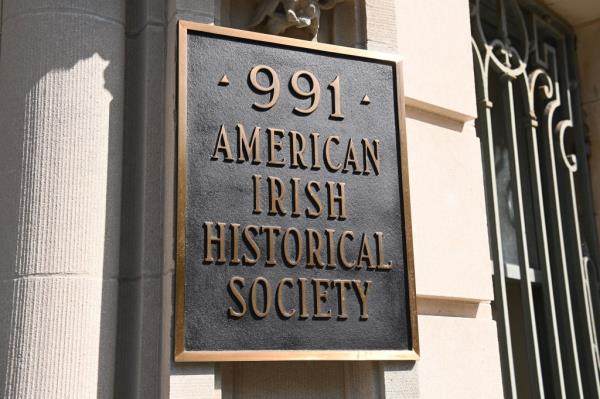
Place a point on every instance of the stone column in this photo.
(61, 117)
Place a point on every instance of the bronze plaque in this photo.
(293, 216)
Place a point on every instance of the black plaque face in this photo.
(293, 216)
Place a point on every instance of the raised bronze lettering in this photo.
(342, 286)
(235, 244)
(327, 153)
(342, 249)
(261, 314)
(286, 246)
(364, 254)
(314, 246)
(321, 297)
(381, 265)
(371, 154)
(314, 143)
(222, 145)
(271, 232)
(350, 159)
(340, 198)
(276, 196)
(303, 305)
(210, 239)
(250, 232)
(285, 313)
(272, 89)
(245, 148)
(363, 297)
(314, 93)
(237, 297)
(337, 99)
(297, 147)
(274, 147)
(295, 200)
(311, 192)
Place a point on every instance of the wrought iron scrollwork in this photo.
(534, 85)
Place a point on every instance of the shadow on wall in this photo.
(61, 119)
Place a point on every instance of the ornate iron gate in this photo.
(541, 219)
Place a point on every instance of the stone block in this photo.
(193, 382)
(588, 53)
(459, 358)
(381, 25)
(451, 249)
(292, 380)
(434, 39)
(62, 118)
(62, 341)
(401, 380)
(192, 10)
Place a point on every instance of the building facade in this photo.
(503, 138)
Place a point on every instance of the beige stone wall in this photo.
(90, 287)
(459, 346)
(589, 63)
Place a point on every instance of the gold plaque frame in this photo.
(181, 355)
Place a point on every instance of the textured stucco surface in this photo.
(452, 257)
(401, 380)
(459, 358)
(435, 39)
(193, 382)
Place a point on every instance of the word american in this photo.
(304, 152)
